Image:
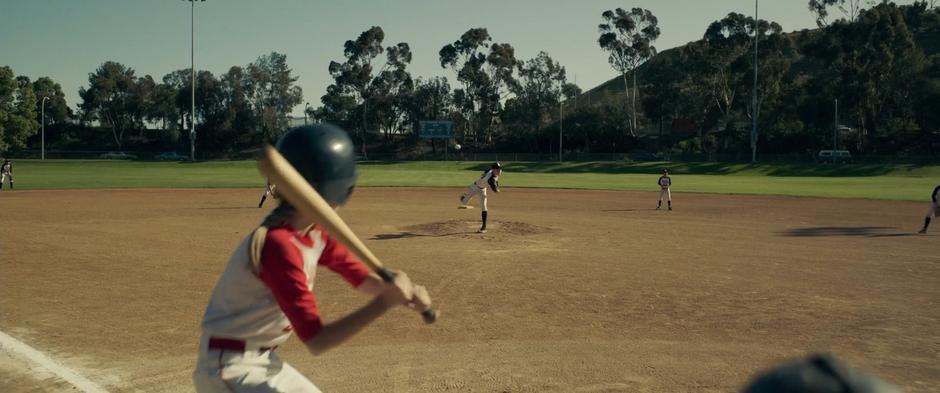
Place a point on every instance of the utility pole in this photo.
(754, 101)
(192, 67)
(561, 127)
(42, 155)
(835, 129)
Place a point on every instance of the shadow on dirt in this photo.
(846, 231)
(407, 235)
(227, 207)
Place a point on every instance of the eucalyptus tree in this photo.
(628, 37)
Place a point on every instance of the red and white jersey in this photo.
(263, 308)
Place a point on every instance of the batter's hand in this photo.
(398, 292)
(420, 299)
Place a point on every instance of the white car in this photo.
(834, 156)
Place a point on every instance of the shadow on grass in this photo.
(845, 231)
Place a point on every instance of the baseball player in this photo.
(664, 183)
(934, 209)
(268, 190)
(266, 291)
(6, 172)
(490, 178)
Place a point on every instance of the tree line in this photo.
(881, 61)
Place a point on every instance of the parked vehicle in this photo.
(115, 155)
(834, 156)
(170, 156)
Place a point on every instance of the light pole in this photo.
(42, 155)
(754, 110)
(306, 106)
(192, 67)
(561, 127)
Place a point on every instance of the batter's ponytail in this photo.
(281, 214)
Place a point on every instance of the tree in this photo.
(486, 72)
(345, 99)
(539, 89)
(109, 99)
(17, 110)
(239, 118)
(628, 39)
(273, 93)
(724, 65)
(850, 9)
(57, 110)
(389, 90)
(871, 66)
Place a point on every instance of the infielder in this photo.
(268, 190)
(6, 172)
(933, 210)
(664, 183)
(266, 291)
(490, 178)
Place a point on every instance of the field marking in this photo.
(39, 358)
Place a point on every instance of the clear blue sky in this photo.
(66, 39)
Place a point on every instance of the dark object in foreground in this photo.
(818, 374)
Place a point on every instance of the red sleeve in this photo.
(282, 269)
(337, 258)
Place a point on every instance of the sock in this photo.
(660, 203)
(670, 203)
(484, 220)
(926, 223)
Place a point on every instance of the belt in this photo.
(229, 344)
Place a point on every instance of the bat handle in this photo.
(429, 315)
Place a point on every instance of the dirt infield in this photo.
(583, 291)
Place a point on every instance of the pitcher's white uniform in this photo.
(933, 210)
(664, 183)
(489, 179)
(251, 312)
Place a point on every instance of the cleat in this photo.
(465, 207)
(670, 208)
(482, 230)
(922, 231)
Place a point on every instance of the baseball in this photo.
(457, 146)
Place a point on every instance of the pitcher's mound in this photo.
(457, 227)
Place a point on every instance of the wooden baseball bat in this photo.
(293, 187)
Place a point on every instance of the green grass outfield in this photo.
(897, 182)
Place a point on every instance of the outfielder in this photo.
(490, 178)
(933, 210)
(6, 172)
(664, 183)
(268, 190)
(266, 291)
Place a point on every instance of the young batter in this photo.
(268, 190)
(664, 183)
(6, 172)
(933, 210)
(490, 178)
(266, 291)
